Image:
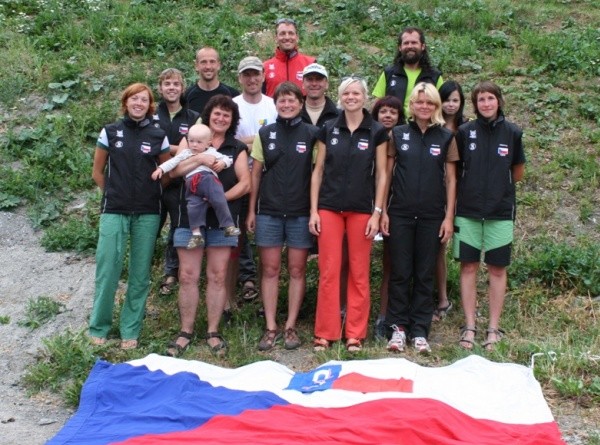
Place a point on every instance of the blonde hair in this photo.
(432, 95)
(171, 73)
(346, 82)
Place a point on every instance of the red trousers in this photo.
(328, 324)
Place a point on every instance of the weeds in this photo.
(40, 311)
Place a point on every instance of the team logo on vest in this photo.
(299, 75)
(472, 134)
(272, 135)
(435, 150)
(336, 130)
(406, 136)
(472, 146)
(404, 147)
(334, 141)
(271, 74)
(503, 150)
(156, 125)
(363, 144)
(271, 146)
(183, 129)
(393, 83)
(146, 147)
(119, 133)
(301, 147)
(271, 66)
(119, 144)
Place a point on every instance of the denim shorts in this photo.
(212, 238)
(275, 231)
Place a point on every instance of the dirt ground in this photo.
(27, 272)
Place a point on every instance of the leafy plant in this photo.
(40, 311)
(4, 319)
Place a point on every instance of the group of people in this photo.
(280, 160)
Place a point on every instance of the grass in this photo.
(59, 84)
(40, 311)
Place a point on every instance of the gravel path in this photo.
(28, 272)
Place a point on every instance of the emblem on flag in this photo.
(363, 144)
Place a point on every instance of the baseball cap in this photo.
(250, 63)
(315, 68)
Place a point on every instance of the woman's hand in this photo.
(446, 230)
(218, 166)
(251, 221)
(384, 224)
(314, 224)
(372, 226)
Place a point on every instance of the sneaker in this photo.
(380, 329)
(421, 346)
(291, 339)
(195, 241)
(398, 340)
(232, 231)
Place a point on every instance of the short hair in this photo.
(207, 48)
(391, 102)
(134, 89)
(447, 88)
(288, 88)
(431, 93)
(487, 86)
(347, 81)
(169, 73)
(286, 21)
(226, 103)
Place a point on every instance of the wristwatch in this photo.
(379, 210)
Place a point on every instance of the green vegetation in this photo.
(4, 319)
(65, 63)
(40, 311)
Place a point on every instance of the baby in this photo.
(202, 186)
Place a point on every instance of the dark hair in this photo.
(487, 86)
(424, 63)
(226, 103)
(446, 90)
(392, 102)
(288, 88)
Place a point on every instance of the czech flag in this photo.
(163, 400)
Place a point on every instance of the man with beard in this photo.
(410, 67)
(317, 107)
(208, 65)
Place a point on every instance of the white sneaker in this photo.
(398, 340)
(421, 346)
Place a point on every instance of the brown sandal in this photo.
(489, 344)
(353, 345)
(464, 330)
(269, 339)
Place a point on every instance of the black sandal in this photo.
(218, 349)
(174, 349)
(249, 291)
(167, 285)
(463, 337)
(490, 344)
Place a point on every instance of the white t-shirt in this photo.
(254, 116)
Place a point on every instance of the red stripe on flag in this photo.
(362, 383)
